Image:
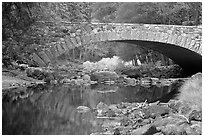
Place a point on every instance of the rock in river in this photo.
(83, 109)
(155, 111)
(104, 76)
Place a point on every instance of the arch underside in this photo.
(190, 61)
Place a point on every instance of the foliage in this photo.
(174, 13)
(137, 13)
(110, 64)
(28, 27)
(128, 52)
(72, 11)
(104, 11)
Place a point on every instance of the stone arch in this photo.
(182, 43)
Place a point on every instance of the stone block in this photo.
(154, 36)
(135, 34)
(49, 54)
(68, 43)
(178, 40)
(38, 60)
(157, 36)
(188, 42)
(161, 37)
(170, 38)
(183, 41)
(174, 39)
(73, 40)
(98, 36)
(64, 46)
(113, 36)
(93, 38)
(193, 42)
(86, 39)
(109, 35)
(198, 47)
(199, 50)
(54, 51)
(140, 35)
(60, 49)
(104, 36)
(126, 34)
(78, 40)
(150, 36)
(194, 47)
(88, 28)
(145, 36)
(83, 40)
(164, 37)
(44, 57)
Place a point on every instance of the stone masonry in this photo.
(189, 37)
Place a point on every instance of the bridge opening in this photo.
(189, 61)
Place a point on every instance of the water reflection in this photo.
(52, 109)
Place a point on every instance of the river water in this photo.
(53, 109)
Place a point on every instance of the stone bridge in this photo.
(183, 44)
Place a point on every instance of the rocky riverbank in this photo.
(179, 116)
(75, 74)
(15, 79)
(149, 119)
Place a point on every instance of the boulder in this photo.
(132, 73)
(86, 77)
(172, 129)
(145, 130)
(104, 76)
(195, 115)
(154, 111)
(83, 109)
(197, 75)
(130, 81)
(102, 108)
(65, 80)
(176, 120)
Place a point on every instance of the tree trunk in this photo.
(163, 59)
(73, 54)
(133, 62)
(170, 62)
(146, 58)
(80, 54)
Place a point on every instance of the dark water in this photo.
(52, 109)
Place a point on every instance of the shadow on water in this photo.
(53, 109)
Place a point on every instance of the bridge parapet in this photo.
(185, 36)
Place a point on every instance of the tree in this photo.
(173, 13)
(75, 12)
(25, 25)
(104, 11)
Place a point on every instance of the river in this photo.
(48, 109)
